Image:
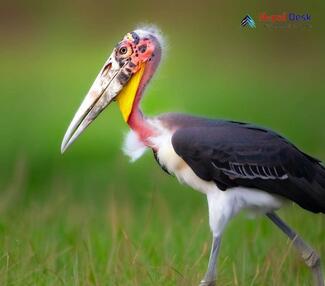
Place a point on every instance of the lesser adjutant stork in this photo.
(236, 165)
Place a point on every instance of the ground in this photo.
(109, 236)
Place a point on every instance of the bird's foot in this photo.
(207, 283)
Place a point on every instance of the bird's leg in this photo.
(210, 276)
(310, 256)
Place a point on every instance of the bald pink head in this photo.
(138, 47)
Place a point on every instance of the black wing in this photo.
(236, 154)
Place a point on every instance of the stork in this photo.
(236, 165)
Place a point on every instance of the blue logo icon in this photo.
(248, 21)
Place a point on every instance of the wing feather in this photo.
(232, 154)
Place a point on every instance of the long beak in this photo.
(104, 89)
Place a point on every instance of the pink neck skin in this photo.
(137, 121)
(140, 125)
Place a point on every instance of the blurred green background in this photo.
(91, 218)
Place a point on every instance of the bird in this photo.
(237, 165)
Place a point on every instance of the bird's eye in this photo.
(123, 50)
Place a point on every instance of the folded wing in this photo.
(236, 154)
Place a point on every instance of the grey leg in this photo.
(309, 255)
(210, 277)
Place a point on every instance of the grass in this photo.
(111, 238)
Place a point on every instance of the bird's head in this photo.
(122, 79)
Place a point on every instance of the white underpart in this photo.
(223, 205)
(133, 146)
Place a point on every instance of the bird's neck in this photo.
(139, 124)
(137, 121)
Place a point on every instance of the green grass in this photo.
(110, 236)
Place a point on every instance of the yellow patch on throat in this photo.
(125, 98)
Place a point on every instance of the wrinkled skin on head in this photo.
(131, 52)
